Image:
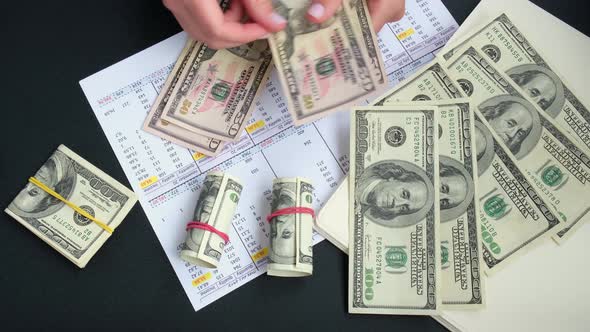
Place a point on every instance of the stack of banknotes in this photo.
(210, 94)
(52, 206)
(459, 170)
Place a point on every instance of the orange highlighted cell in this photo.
(202, 279)
(148, 182)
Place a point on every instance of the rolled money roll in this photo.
(291, 228)
(207, 233)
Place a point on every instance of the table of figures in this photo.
(167, 178)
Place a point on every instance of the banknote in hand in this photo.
(326, 67)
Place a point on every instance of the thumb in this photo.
(261, 12)
(321, 10)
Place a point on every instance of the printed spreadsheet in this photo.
(167, 178)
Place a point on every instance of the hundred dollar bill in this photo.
(460, 234)
(430, 83)
(216, 207)
(504, 44)
(558, 169)
(76, 180)
(155, 125)
(217, 89)
(394, 264)
(326, 67)
(513, 216)
(291, 242)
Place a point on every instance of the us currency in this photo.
(395, 263)
(430, 83)
(513, 216)
(460, 232)
(218, 88)
(290, 253)
(155, 125)
(326, 67)
(361, 20)
(216, 207)
(504, 44)
(549, 157)
(75, 179)
(525, 218)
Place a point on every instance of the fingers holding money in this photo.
(205, 21)
(321, 10)
(385, 11)
(261, 12)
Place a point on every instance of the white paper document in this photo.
(167, 178)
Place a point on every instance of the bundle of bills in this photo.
(210, 94)
(72, 205)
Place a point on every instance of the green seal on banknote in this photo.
(220, 91)
(396, 259)
(444, 254)
(552, 176)
(495, 207)
(325, 66)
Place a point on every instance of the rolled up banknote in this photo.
(217, 89)
(291, 228)
(207, 233)
(395, 263)
(155, 125)
(326, 67)
(504, 44)
(546, 153)
(76, 181)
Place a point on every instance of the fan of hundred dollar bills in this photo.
(458, 171)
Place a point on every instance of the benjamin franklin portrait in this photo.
(542, 85)
(204, 207)
(515, 121)
(58, 174)
(394, 193)
(297, 23)
(456, 189)
(282, 228)
(484, 147)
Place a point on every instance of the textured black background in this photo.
(47, 47)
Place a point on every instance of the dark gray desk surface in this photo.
(47, 47)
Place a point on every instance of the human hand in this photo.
(384, 11)
(204, 20)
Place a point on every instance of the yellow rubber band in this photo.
(70, 204)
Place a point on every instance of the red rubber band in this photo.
(208, 228)
(291, 210)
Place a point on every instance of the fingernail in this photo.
(316, 10)
(265, 36)
(277, 19)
